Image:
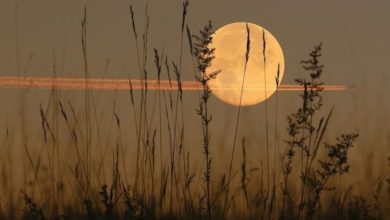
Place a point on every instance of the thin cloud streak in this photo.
(123, 84)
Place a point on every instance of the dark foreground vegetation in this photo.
(162, 184)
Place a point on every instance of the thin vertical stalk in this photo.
(266, 115)
(139, 126)
(87, 111)
(237, 119)
(277, 81)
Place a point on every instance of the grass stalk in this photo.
(247, 52)
(266, 120)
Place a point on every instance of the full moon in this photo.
(230, 43)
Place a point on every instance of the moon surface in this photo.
(230, 48)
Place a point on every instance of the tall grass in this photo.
(87, 111)
(247, 52)
(277, 81)
(268, 199)
(163, 179)
(205, 55)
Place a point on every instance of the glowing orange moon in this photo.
(230, 49)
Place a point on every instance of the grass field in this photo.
(149, 157)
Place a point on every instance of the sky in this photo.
(355, 36)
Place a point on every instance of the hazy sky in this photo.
(355, 35)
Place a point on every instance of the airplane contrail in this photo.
(123, 84)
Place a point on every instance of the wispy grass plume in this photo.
(204, 56)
